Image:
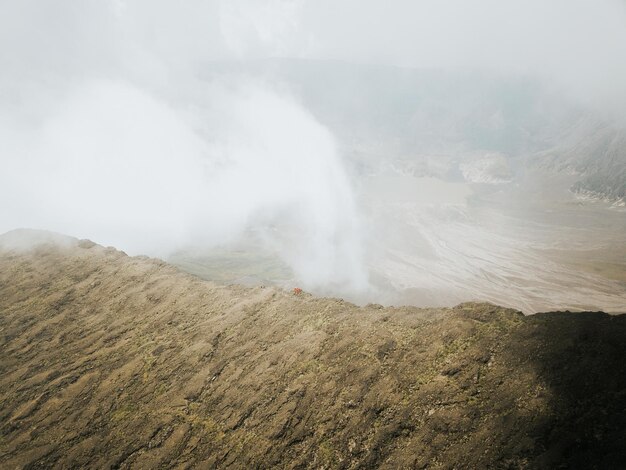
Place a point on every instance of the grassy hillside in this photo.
(108, 361)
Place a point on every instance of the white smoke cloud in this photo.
(274, 165)
(106, 133)
(116, 164)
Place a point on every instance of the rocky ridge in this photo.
(110, 361)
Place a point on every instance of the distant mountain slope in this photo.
(596, 151)
(108, 361)
(434, 121)
(404, 111)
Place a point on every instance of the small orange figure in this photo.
(297, 291)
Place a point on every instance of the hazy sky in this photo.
(579, 44)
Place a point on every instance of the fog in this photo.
(291, 127)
